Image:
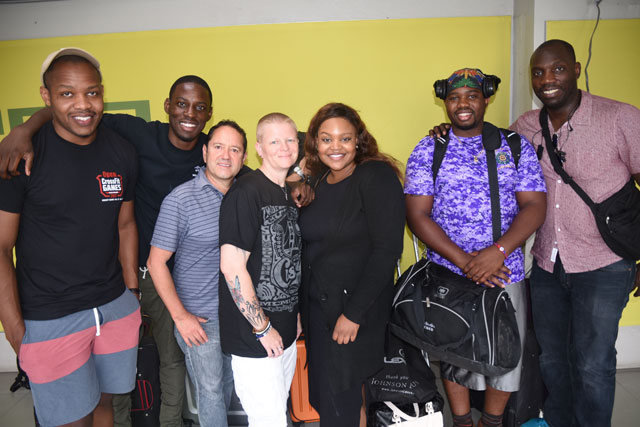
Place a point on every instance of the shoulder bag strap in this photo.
(555, 162)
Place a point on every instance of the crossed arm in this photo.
(233, 264)
(10, 313)
(487, 265)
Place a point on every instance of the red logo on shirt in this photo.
(110, 185)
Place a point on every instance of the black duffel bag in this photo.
(456, 320)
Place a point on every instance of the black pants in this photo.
(340, 409)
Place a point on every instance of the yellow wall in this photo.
(615, 61)
(383, 68)
(615, 55)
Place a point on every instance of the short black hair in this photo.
(557, 42)
(75, 59)
(191, 79)
(231, 124)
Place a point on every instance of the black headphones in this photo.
(489, 86)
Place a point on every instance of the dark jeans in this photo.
(576, 316)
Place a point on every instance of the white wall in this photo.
(559, 10)
(521, 49)
(73, 17)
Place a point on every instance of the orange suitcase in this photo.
(301, 409)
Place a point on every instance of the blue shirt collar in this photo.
(202, 181)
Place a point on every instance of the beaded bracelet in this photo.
(502, 250)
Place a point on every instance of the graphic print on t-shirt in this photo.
(111, 187)
(277, 287)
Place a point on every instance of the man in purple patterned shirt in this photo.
(453, 218)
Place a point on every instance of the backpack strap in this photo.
(439, 151)
(492, 141)
(513, 139)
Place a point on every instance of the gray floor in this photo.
(16, 409)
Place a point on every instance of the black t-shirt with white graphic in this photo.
(259, 216)
(67, 246)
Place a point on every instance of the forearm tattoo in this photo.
(251, 310)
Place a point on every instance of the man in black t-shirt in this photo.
(169, 155)
(65, 307)
(260, 260)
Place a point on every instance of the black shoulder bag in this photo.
(617, 217)
(453, 318)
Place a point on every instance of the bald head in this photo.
(557, 46)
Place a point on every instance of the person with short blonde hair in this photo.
(270, 119)
(260, 248)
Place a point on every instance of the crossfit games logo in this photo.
(110, 186)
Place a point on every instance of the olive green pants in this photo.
(172, 368)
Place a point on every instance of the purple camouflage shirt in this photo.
(462, 204)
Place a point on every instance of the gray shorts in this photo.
(511, 380)
(73, 359)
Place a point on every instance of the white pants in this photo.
(263, 384)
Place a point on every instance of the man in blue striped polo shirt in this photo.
(188, 226)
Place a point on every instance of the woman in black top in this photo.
(352, 236)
